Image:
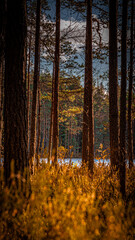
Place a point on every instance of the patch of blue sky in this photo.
(73, 24)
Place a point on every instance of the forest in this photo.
(67, 120)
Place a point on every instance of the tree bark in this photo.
(28, 93)
(56, 86)
(130, 137)
(88, 123)
(44, 127)
(123, 97)
(15, 122)
(35, 87)
(38, 127)
(1, 105)
(91, 112)
(2, 52)
(52, 117)
(2, 29)
(133, 126)
(113, 84)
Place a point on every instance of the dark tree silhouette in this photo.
(130, 137)
(38, 128)
(56, 85)
(35, 87)
(88, 123)
(15, 115)
(2, 46)
(123, 96)
(113, 83)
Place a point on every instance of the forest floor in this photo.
(68, 203)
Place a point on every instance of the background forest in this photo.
(67, 91)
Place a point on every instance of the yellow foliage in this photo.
(67, 204)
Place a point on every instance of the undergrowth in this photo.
(66, 203)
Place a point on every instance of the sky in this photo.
(73, 26)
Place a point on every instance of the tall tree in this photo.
(113, 83)
(2, 46)
(38, 127)
(1, 103)
(130, 138)
(52, 118)
(2, 29)
(56, 86)
(88, 124)
(123, 96)
(90, 83)
(28, 74)
(35, 87)
(15, 116)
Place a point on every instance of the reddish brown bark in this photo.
(56, 86)
(88, 123)
(38, 128)
(51, 121)
(35, 87)
(123, 97)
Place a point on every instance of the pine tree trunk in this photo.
(1, 106)
(15, 126)
(35, 88)
(56, 86)
(71, 131)
(69, 139)
(133, 126)
(130, 137)
(123, 97)
(2, 45)
(2, 29)
(88, 123)
(51, 121)
(44, 128)
(28, 93)
(113, 84)
(38, 128)
(91, 113)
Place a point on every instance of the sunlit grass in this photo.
(67, 203)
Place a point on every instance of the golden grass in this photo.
(66, 203)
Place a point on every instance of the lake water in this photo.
(78, 161)
(75, 161)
